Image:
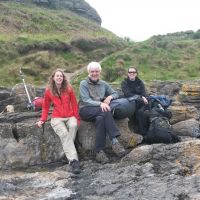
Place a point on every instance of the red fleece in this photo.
(63, 106)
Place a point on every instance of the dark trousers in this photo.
(143, 120)
(104, 124)
(140, 119)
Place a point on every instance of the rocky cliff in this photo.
(80, 7)
(32, 161)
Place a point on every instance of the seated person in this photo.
(65, 117)
(133, 86)
(95, 98)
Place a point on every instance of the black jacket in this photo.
(130, 88)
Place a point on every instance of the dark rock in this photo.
(23, 144)
(86, 135)
(80, 7)
(182, 113)
(190, 127)
(169, 88)
(26, 145)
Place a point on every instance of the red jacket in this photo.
(63, 106)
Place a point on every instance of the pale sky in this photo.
(141, 19)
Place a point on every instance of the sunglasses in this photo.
(132, 72)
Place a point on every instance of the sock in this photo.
(114, 140)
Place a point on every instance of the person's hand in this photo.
(105, 107)
(145, 100)
(108, 99)
(39, 123)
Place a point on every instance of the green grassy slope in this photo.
(40, 40)
(157, 59)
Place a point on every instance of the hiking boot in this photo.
(118, 149)
(101, 157)
(75, 166)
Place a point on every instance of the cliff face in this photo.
(78, 6)
(82, 8)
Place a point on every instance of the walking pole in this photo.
(30, 105)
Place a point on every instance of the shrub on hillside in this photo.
(196, 35)
(90, 44)
(45, 45)
(112, 73)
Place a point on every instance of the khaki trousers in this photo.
(66, 129)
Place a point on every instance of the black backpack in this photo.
(122, 108)
(160, 129)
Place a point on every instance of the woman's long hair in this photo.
(52, 84)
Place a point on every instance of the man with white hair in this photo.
(95, 98)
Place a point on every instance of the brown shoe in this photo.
(118, 149)
(101, 157)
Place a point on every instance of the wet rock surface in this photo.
(170, 172)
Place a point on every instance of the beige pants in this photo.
(66, 129)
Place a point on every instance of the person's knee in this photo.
(107, 114)
(103, 115)
(72, 123)
(99, 118)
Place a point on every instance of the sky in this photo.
(141, 19)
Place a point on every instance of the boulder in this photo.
(169, 88)
(180, 158)
(86, 135)
(5, 98)
(182, 113)
(22, 144)
(4, 93)
(190, 94)
(190, 127)
(20, 97)
(141, 154)
(184, 92)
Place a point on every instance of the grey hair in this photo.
(93, 65)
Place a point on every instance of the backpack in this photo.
(122, 108)
(160, 129)
(161, 99)
(37, 103)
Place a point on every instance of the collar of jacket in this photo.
(89, 80)
(135, 81)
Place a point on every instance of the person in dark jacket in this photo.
(133, 86)
(95, 99)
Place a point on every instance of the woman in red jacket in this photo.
(65, 118)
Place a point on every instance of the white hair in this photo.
(93, 65)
